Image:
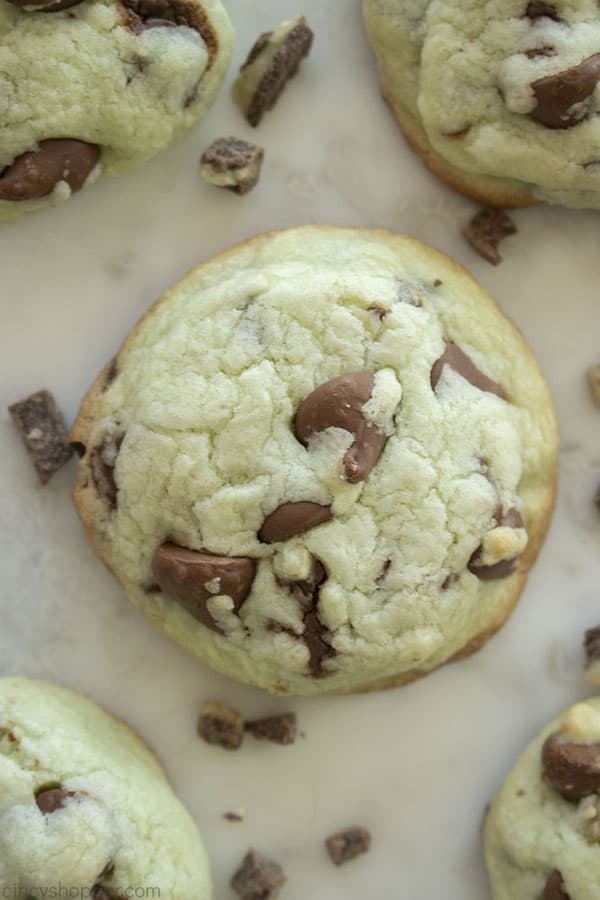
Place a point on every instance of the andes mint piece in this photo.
(290, 519)
(505, 567)
(555, 887)
(44, 5)
(258, 878)
(51, 799)
(458, 360)
(510, 519)
(272, 61)
(279, 729)
(485, 231)
(192, 578)
(233, 164)
(347, 844)
(221, 725)
(338, 404)
(564, 99)
(538, 9)
(36, 173)
(572, 769)
(144, 14)
(103, 460)
(314, 635)
(43, 432)
(593, 376)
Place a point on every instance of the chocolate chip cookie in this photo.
(96, 87)
(500, 98)
(323, 462)
(542, 832)
(85, 808)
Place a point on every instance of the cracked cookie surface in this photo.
(500, 98)
(99, 88)
(327, 461)
(85, 807)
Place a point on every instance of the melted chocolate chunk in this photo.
(555, 887)
(485, 231)
(290, 519)
(458, 360)
(36, 173)
(572, 769)
(51, 799)
(258, 878)
(306, 591)
(102, 461)
(563, 100)
(43, 432)
(192, 578)
(338, 403)
(347, 844)
(143, 14)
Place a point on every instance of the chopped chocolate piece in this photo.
(234, 815)
(193, 578)
(222, 725)
(272, 61)
(572, 769)
(593, 375)
(233, 164)
(555, 887)
(279, 729)
(314, 636)
(458, 360)
(50, 799)
(103, 461)
(142, 14)
(36, 173)
(43, 431)
(538, 9)
(535, 52)
(44, 5)
(347, 844)
(290, 519)
(338, 403)
(485, 231)
(258, 878)
(565, 99)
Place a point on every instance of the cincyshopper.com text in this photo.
(63, 892)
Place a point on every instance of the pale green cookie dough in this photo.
(540, 845)
(188, 437)
(459, 76)
(110, 826)
(99, 73)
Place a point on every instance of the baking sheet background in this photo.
(415, 765)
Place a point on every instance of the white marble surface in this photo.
(415, 765)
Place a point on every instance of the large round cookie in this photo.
(499, 97)
(85, 808)
(98, 88)
(542, 832)
(325, 461)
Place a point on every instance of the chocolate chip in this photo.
(51, 799)
(485, 231)
(279, 729)
(192, 578)
(572, 769)
(103, 460)
(555, 887)
(221, 725)
(338, 403)
(591, 644)
(42, 429)
(232, 164)
(272, 61)
(535, 52)
(290, 519)
(258, 878)
(142, 14)
(36, 173)
(347, 844)
(44, 5)
(538, 9)
(458, 360)
(306, 591)
(564, 99)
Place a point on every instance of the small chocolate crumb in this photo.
(597, 497)
(279, 729)
(485, 231)
(258, 878)
(42, 429)
(49, 800)
(593, 376)
(222, 725)
(438, 282)
(591, 645)
(538, 9)
(234, 815)
(232, 164)
(347, 844)
(536, 52)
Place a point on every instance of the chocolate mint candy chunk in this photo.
(339, 403)
(315, 635)
(498, 567)
(36, 173)
(51, 799)
(143, 14)
(346, 845)
(43, 431)
(538, 9)
(290, 519)
(193, 578)
(103, 460)
(258, 878)
(555, 887)
(564, 99)
(276, 729)
(572, 769)
(593, 375)
(272, 61)
(485, 231)
(233, 164)
(458, 360)
(222, 725)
